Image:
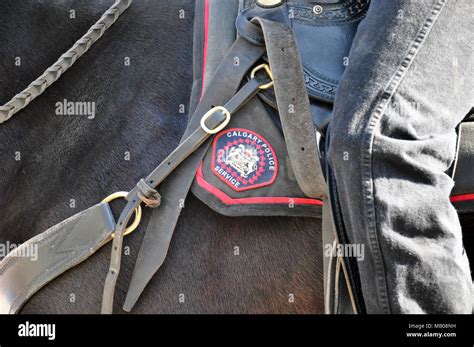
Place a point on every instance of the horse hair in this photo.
(53, 166)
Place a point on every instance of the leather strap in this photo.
(329, 260)
(225, 82)
(293, 106)
(51, 253)
(188, 146)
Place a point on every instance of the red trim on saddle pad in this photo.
(462, 197)
(245, 201)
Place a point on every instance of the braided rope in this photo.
(52, 74)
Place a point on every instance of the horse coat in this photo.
(266, 161)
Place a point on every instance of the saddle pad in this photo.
(246, 171)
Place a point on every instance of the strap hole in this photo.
(152, 181)
(302, 149)
(168, 163)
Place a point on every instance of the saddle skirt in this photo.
(247, 169)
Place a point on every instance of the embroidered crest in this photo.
(243, 159)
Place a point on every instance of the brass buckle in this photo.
(138, 212)
(267, 69)
(220, 126)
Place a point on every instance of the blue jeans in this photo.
(408, 85)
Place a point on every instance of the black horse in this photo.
(52, 166)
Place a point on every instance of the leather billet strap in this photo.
(223, 85)
(211, 122)
(39, 260)
(290, 92)
(293, 106)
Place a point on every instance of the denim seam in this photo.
(367, 148)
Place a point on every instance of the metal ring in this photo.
(267, 69)
(220, 126)
(138, 212)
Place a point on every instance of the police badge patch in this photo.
(243, 159)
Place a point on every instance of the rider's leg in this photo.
(409, 83)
